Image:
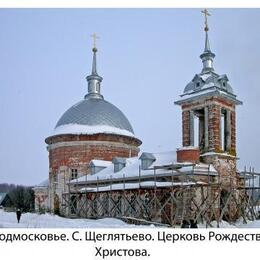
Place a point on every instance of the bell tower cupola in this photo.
(208, 106)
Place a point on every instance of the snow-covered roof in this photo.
(132, 169)
(132, 186)
(220, 154)
(204, 80)
(205, 76)
(92, 116)
(164, 158)
(90, 130)
(208, 84)
(188, 148)
(132, 166)
(209, 92)
(100, 163)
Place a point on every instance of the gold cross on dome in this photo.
(95, 37)
(206, 14)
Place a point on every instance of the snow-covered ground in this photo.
(32, 220)
(238, 224)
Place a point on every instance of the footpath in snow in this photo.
(33, 220)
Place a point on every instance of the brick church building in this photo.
(91, 129)
(97, 170)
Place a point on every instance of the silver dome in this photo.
(94, 112)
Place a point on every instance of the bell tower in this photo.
(208, 106)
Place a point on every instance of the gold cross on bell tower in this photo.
(95, 37)
(206, 14)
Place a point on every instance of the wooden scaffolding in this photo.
(170, 199)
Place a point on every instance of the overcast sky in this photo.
(146, 57)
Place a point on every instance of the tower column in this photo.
(233, 130)
(185, 128)
(214, 127)
(201, 132)
(191, 128)
(228, 130)
(206, 128)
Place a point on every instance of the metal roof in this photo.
(119, 160)
(93, 112)
(208, 82)
(147, 156)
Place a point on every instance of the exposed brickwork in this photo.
(214, 127)
(41, 199)
(228, 178)
(94, 137)
(233, 130)
(225, 164)
(188, 155)
(205, 101)
(73, 156)
(185, 128)
(226, 167)
(214, 104)
(72, 152)
(68, 152)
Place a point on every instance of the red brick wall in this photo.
(72, 156)
(214, 127)
(185, 128)
(82, 154)
(233, 130)
(220, 101)
(188, 155)
(214, 104)
(94, 137)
